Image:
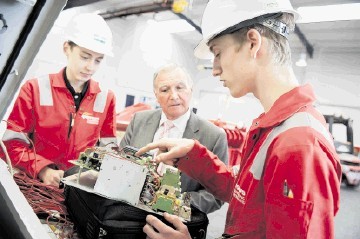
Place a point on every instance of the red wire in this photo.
(48, 200)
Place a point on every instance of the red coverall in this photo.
(58, 132)
(299, 159)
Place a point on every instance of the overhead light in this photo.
(172, 26)
(302, 60)
(179, 6)
(328, 13)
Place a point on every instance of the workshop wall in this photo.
(140, 48)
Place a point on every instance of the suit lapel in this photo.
(192, 127)
(152, 123)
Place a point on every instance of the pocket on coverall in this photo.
(287, 217)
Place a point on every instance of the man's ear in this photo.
(254, 37)
(66, 48)
(155, 93)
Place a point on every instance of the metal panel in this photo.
(27, 29)
(23, 28)
(18, 219)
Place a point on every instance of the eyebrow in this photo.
(84, 52)
(212, 47)
(175, 85)
(89, 54)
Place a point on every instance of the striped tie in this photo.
(167, 126)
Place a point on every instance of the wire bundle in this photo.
(47, 200)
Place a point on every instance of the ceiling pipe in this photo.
(135, 10)
(182, 16)
(309, 48)
(79, 3)
(157, 6)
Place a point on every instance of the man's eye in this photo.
(84, 57)
(164, 90)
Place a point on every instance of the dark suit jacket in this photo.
(141, 131)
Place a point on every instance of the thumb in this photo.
(173, 154)
(175, 220)
(165, 157)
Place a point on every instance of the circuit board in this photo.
(136, 180)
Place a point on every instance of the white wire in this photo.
(7, 157)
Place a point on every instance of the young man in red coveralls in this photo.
(288, 183)
(66, 112)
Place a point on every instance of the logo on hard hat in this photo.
(100, 39)
(91, 31)
(271, 5)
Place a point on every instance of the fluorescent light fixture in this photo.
(328, 13)
(172, 26)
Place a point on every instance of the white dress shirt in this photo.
(175, 132)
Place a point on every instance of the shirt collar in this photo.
(71, 89)
(180, 123)
(286, 105)
(59, 81)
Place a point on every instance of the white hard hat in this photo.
(219, 15)
(90, 31)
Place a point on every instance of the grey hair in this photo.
(279, 45)
(170, 68)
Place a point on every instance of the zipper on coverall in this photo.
(71, 124)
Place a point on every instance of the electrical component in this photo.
(120, 175)
(169, 198)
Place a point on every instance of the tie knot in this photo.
(168, 124)
(166, 127)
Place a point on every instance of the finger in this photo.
(55, 184)
(176, 221)
(58, 174)
(158, 224)
(61, 173)
(164, 158)
(146, 148)
(173, 154)
(149, 231)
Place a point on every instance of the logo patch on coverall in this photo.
(239, 194)
(90, 119)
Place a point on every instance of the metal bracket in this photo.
(4, 26)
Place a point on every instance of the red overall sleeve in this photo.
(312, 174)
(205, 167)
(22, 120)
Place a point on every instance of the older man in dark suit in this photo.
(173, 90)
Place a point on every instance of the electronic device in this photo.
(120, 175)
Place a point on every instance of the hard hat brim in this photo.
(202, 50)
(92, 47)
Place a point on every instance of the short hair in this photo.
(72, 44)
(279, 45)
(170, 68)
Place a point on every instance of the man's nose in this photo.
(174, 94)
(90, 65)
(216, 71)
